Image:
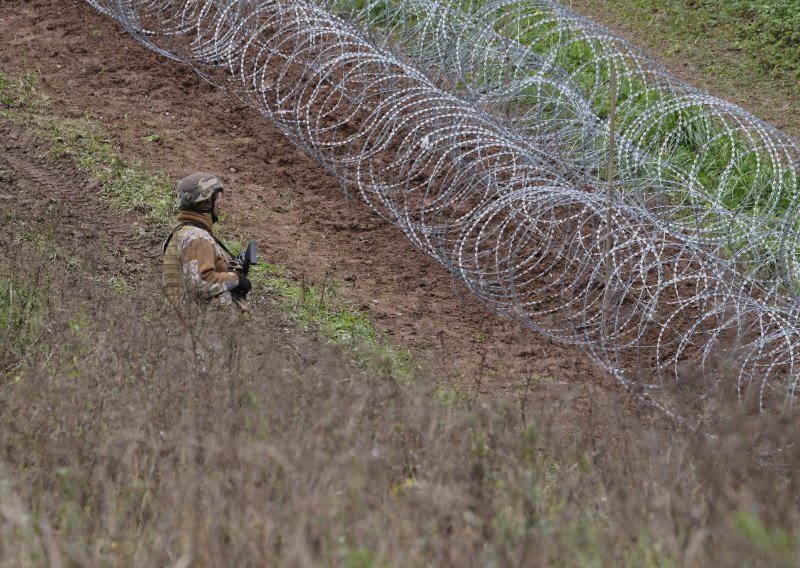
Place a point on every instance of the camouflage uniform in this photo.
(195, 264)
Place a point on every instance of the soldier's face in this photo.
(215, 212)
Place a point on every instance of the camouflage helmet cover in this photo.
(197, 192)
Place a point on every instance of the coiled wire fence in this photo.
(566, 180)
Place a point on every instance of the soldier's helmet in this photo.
(198, 192)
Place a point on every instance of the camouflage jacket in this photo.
(195, 266)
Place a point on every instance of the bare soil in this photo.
(275, 194)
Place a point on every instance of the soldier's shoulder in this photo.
(189, 233)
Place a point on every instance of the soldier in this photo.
(197, 266)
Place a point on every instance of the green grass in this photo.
(740, 46)
(771, 540)
(770, 28)
(123, 182)
(21, 93)
(314, 307)
(767, 33)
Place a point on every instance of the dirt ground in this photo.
(275, 194)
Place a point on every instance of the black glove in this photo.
(243, 287)
(235, 265)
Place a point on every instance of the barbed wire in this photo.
(711, 170)
(482, 131)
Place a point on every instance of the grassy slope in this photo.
(747, 54)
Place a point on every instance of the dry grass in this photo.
(134, 437)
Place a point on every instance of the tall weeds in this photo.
(133, 435)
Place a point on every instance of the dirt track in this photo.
(276, 194)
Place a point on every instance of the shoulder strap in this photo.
(221, 244)
(169, 237)
(199, 226)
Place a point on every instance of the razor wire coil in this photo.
(481, 129)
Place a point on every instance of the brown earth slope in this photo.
(277, 195)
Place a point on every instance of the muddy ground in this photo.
(275, 194)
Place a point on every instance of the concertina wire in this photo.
(483, 130)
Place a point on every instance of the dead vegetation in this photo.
(132, 436)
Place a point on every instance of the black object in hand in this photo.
(244, 286)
